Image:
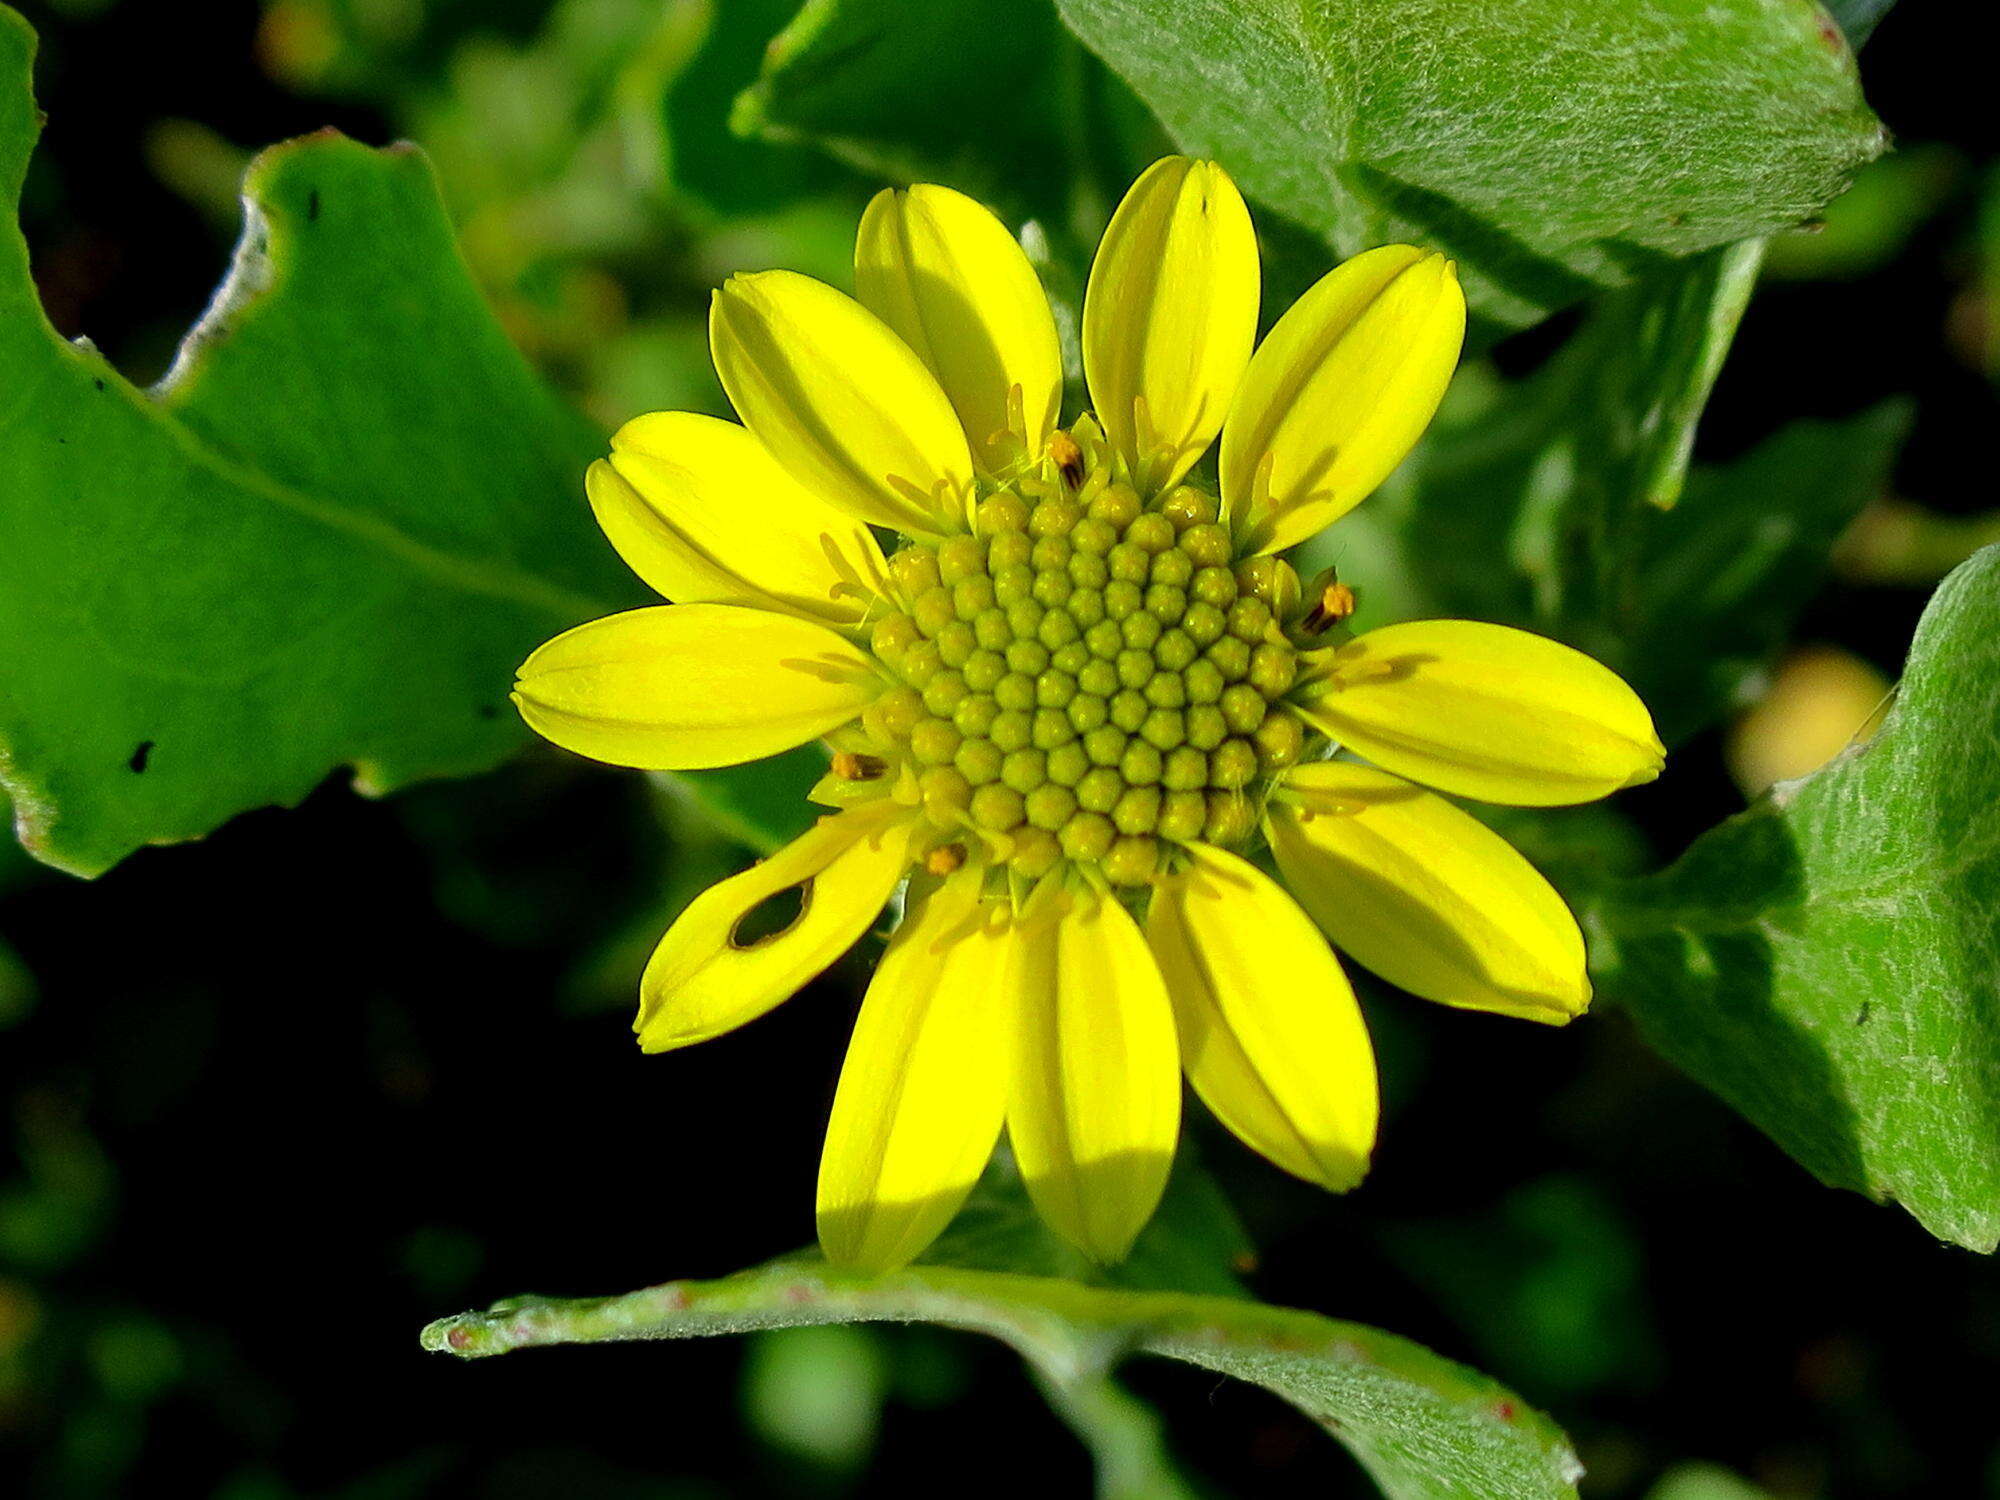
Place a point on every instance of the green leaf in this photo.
(993, 97)
(883, 86)
(1827, 961)
(1553, 147)
(326, 539)
(1423, 1427)
(1703, 1482)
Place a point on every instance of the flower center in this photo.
(1086, 676)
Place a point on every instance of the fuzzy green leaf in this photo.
(1552, 146)
(1829, 961)
(1425, 1428)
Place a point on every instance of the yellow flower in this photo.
(1075, 701)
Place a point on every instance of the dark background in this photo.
(277, 1099)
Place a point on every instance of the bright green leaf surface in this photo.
(1425, 1428)
(1551, 146)
(1829, 960)
(326, 539)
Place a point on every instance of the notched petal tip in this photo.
(842, 403)
(952, 281)
(1170, 315)
(1341, 389)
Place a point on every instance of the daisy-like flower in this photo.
(1076, 701)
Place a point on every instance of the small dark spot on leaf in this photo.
(312, 206)
(140, 755)
(1861, 1016)
(489, 711)
(99, 382)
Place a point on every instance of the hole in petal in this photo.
(771, 918)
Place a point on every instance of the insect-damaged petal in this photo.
(703, 979)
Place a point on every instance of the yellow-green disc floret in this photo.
(1085, 676)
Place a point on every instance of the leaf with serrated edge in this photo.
(1829, 961)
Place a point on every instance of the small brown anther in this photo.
(1334, 605)
(1068, 456)
(849, 765)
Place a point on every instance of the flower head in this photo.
(1076, 702)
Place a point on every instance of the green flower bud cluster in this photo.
(1086, 677)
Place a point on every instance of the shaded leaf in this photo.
(1193, 1243)
(884, 86)
(992, 97)
(1553, 147)
(1829, 962)
(1718, 583)
(1424, 1428)
(1858, 19)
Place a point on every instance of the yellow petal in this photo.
(954, 284)
(700, 982)
(924, 1086)
(1344, 384)
(1271, 1036)
(1484, 711)
(681, 686)
(701, 511)
(1169, 316)
(840, 401)
(1094, 1100)
(1426, 895)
